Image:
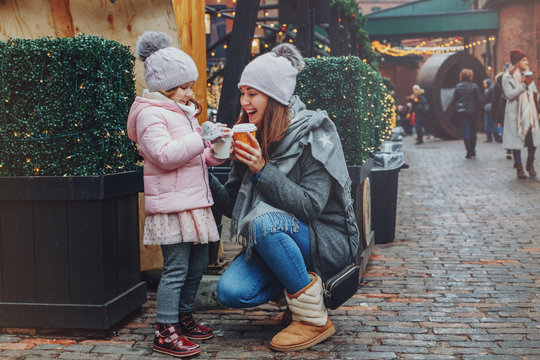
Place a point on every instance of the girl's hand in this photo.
(251, 156)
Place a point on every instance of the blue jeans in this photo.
(468, 126)
(183, 267)
(490, 127)
(517, 154)
(281, 260)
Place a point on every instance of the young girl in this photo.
(177, 197)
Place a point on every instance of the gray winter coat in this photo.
(512, 90)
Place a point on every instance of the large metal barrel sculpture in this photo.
(438, 77)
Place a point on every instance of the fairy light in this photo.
(419, 49)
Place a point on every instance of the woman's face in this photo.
(183, 93)
(523, 64)
(254, 103)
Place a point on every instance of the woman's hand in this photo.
(251, 156)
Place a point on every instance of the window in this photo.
(375, 8)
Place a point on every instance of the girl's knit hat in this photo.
(166, 67)
(274, 73)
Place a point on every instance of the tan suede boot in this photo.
(310, 324)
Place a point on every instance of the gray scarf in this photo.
(307, 127)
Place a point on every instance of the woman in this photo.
(289, 199)
(468, 102)
(521, 114)
(420, 109)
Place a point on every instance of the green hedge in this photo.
(356, 99)
(64, 107)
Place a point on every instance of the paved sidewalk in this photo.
(461, 280)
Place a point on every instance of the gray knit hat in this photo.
(274, 73)
(166, 67)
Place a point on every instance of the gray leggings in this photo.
(183, 267)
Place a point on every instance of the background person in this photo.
(420, 108)
(499, 105)
(521, 128)
(490, 126)
(468, 104)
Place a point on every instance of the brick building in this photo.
(519, 29)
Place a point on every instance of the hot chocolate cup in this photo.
(241, 132)
(222, 148)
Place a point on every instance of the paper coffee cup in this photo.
(222, 148)
(241, 131)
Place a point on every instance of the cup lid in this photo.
(244, 127)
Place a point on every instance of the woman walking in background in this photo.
(521, 128)
(468, 102)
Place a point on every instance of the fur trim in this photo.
(150, 42)
(290, 53)
(308, 304)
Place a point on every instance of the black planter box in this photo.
(69, 251)
(365, 246)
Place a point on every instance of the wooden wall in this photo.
(122, 21)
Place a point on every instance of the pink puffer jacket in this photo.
(175, 159)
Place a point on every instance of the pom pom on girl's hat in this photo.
(166, 67)
(274, 73)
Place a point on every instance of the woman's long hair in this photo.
(273, 126)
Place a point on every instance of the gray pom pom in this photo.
(290, 53)
(150, 42)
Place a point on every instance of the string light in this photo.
(421, 50)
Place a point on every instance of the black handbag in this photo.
(342, 286)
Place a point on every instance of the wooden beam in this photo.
(238, 53)
(305, 16)
(63, 22)
(190, 22)
(335, 33)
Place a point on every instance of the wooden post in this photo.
(190, 22)
(336, 46)
(304, 38)
(238, 52)
(63, 22)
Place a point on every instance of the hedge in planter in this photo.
(69, 252)
(355, 98)
(64, 107)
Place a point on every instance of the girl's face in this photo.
(254, 103)
(523, 64)
(183, 93)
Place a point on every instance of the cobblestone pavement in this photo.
(461, 280)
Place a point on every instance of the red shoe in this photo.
(191, 329)
(169, 341)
